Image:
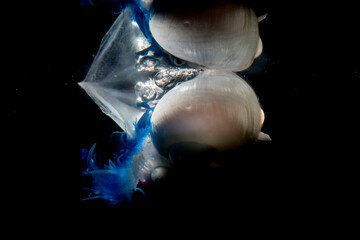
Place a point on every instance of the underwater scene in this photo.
(188, 108)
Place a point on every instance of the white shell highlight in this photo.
(216, 109)
(223, 36)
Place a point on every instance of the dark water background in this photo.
(308, 172)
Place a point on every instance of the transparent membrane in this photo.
(129, 74)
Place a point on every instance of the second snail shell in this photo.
(216, 109)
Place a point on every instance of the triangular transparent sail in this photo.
(131, 72)
(111, 79)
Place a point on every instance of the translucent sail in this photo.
(113, 74)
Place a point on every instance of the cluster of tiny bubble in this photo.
(164, 78)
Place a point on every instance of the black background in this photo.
(307, 173)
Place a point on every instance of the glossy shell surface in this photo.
(216, 109)
(224, 35)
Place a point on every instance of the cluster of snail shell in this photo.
(217, 108)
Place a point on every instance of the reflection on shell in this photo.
(223, 36)
(217, 109)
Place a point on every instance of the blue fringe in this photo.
(142, 18)
(117, 181)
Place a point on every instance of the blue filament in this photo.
(117, 181)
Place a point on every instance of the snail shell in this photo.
(217, 109)
(221, 35)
